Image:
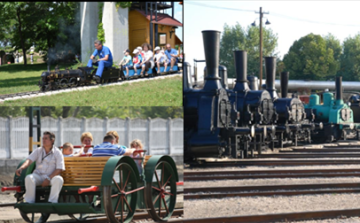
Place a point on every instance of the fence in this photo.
(159, 136)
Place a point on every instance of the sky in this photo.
(290, 20)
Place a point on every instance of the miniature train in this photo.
(82, 76)
(223, 122)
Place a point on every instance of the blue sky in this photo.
(289, 19)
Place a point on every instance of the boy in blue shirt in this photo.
(105, 59)
(172, 55)
(108, 148)
(126, 62)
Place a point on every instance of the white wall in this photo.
(159, 136)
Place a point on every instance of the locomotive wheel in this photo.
(161, 194)
(121, 196)
(25, 216)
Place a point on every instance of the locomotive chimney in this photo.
(240, 57)
(270, 66)
(211, 40)
(339, 90)
(187, 85)
(253, 83)
(284, 81)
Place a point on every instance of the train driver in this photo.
(109, 148)
(172, 55)
(49, 165)
(105, 59)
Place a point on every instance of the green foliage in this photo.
(310, 58)
(44, 24)
(101, 31)
(237, 38)
(350, 59)
(122, 5)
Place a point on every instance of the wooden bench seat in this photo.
(83, 171)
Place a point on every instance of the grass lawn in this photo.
(160, 92)
(16, 78)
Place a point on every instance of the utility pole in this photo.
(261, 46)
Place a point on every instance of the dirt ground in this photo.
(6, 180)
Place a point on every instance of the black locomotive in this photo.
(59, 79)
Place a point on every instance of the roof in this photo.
(177, 40)
(163, 19)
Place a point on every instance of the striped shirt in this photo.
(108, 149)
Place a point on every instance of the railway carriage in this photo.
(114, 187)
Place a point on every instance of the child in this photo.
(126, 61)
(161, 60)
(136, 144)
(141, 52)
(68, 150)
(137, 60)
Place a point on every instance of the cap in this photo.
(135, 51)
(157, 48)
(127, 51)
(139, 48)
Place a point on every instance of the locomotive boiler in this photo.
(210, 119)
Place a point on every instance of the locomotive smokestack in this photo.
(284, 81)
(48, 68)
(240, 57)
(253, 83)
(211, 40)
(270, 66)
(339, 90)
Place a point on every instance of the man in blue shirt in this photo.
(172, 55)
(105, 59)
(108, 148)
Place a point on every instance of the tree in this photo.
(333, 43)
(350, 59)
(237, 38)
(44, 24)
(310, 58)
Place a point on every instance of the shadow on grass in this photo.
(15, 82)
(13, 68)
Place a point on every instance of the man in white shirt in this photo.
(49, 164)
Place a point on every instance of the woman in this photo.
(86, 140)
(148, 62)
(115, 134)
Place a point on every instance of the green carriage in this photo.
(115, 186)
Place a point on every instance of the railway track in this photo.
(201, 182)
(277, 217)
(266, 174)
(31, 94)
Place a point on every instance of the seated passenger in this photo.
(126, 62)
(148, 60)
(49, 165)
(115, 134)
(172, 55)
(136, 60)
(86, 140)
(68, 150)
(161, 60)
(137, 145)
(108, 148)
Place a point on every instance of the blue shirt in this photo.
(172, 51)
(128, 57)
(108, 149)
(103, 52)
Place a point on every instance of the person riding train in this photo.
(172, 56)
(160, 59)
(137, 60)
(105, 59)
(148, 60)
(126, 62)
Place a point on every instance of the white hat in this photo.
(139, 48)
(157, 48)
(135, 51)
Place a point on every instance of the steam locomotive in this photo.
(60, 79)
(223, 122)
